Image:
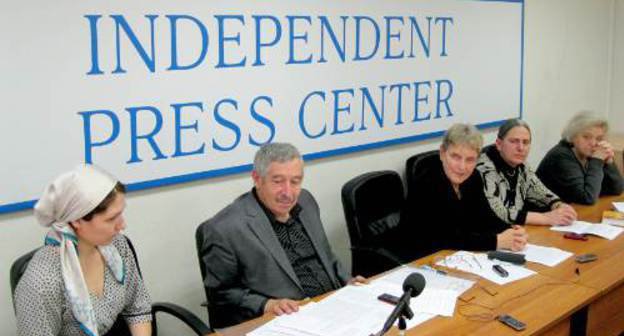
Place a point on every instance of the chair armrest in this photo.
(183, 314)
(379, 252)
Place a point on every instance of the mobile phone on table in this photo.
(511, 322)
(389, 298)
(585, 258)
(575, 236)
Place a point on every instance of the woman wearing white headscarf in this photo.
(85, 276)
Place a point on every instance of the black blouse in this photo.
(436, 218)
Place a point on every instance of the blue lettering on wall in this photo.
(223, 38)
(441, 84)
(227, 123)
(399, 104)
(418, 99)
(292, 37)
(302, 109)
(148, 111)
(444, 21)
(338, 46)
(258, 19)
(341, 109)
(262, 119)
(378, 112)
(173, 23)
(179, 127)
(415, 27)
(392, 36)
(149, 60)
(95, 63)
(89, 142)
(358, 31)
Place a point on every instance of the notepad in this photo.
(613, 218)
(600, 230)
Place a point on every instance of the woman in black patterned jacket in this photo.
(513, 190)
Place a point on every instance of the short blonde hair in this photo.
(582, 121)
(463, 134)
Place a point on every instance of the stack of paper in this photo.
(619, 206)
(479, 264)
(438, 297)
(601, 230)
(613, 218)
(355, 310)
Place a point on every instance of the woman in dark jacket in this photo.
(447, 208)
(580, 167)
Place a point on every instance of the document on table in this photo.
(431, 300)
(549, 256)
(352, 310)
(433, 278)
(355, 310)
(601, 230)
(619, 206)
(479, 264)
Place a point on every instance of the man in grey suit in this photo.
(268, 249)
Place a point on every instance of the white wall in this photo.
(567, 66)
(616, 113)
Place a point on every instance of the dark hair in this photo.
(509, 125)
(106, 202)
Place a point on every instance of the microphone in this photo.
(514, 258)
(412, 287)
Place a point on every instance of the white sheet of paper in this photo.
(479, 264)
(549, 256)
(619, 206)
(433, 279)
(581, 227)
(615, 222)
(431, 300)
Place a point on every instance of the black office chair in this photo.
(372, 205)
(413, 169)
(216, 316)
(120, 328)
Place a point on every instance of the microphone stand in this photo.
(402, 325)
(401, 311)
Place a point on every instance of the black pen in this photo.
(500, 271)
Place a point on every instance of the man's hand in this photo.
(514, 239)
(281, 306)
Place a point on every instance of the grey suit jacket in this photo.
(246, 265)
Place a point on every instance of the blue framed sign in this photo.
(163, 93)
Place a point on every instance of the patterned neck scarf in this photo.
(70, 197)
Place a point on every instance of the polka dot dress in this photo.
(42, 307)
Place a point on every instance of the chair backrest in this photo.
(372, 205)
(120, 328)
(413, 169)
(201, 251)
(17, 270)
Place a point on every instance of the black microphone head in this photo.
(416, 282)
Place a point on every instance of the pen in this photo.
(500, 271)
(427, 267)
